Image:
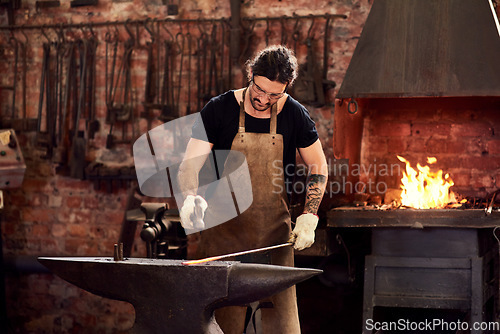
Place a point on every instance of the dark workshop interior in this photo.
(404, 94)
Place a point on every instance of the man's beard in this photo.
(254, 102)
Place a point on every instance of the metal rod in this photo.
(166, 20)
(215, 258)
(106, 23)
(295, 17)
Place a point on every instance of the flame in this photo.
(425, 189)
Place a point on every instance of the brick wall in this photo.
(461, 133)
(55, 215)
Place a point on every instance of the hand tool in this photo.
(41, 137)
(180, 41)
(61, 154)
(190, 56)
(220, 257)
(78, 144)
(15, 44)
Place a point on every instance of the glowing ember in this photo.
(424, 189)
(208, 259)
(220, 257)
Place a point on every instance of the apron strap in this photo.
(274, 116)
(241, 128)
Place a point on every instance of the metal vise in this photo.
(170, 297)
(164, 238)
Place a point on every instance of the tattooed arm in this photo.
(315, 190)
(315, 159)
(303, 234)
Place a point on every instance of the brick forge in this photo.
(462, 133)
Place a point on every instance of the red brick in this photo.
(481, 180)
(35, 185)
(397, 146)
(476, 147)
(375, 144)
(430, 129)
(8, 228)
(38, 215)
(40, 230)
(84, 217)
(38, 200)
(55, 201)
(395, 114)
(472, 129)
(45, 170)
(456, 147)
(74, 217)
(97, 232)
(388, 129)
(458, 116)
(416, 145)
(435, 146)
(111, 218)
(481, 163)
(461, 179)
(59, 230)
(113, 234)
(73, 184)
(107, 248)
(50, 246)
(494, 147)
(91, 202)
(73, 201)
(33, 245)
(72, 245)
(78, 230)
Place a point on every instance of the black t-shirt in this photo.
(220, 118)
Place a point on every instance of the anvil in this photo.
(170, 297)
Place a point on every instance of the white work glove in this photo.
(303, 234)
(193, 212)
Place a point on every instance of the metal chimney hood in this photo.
(426, 48)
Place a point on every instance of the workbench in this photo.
(427, 259)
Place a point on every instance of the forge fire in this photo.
(424, 188)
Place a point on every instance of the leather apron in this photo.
(265, 223)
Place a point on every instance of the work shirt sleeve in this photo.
(307, 133)
(203, 127)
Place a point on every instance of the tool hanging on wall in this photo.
(66, 110)
(180, 42)
(247, 39)
(120, 111)
(152, 77)
(63, 139)
(213, 81)
(93, 125)
(42, 137)
(190, 57)
(14, 119)
(78, 145)
(167, 100)
(284, 35)
(13, 41)
(164, 80)
(200, 66)
(309, 85)
(49, 85)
